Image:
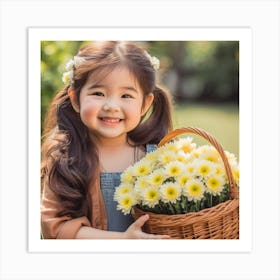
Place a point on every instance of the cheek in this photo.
(88, 111)
(133, 111)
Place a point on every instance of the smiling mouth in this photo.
(110, 120)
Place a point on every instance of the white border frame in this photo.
(243, 35)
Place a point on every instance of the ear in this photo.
(74, 103)
(147, 103)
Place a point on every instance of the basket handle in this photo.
(234, 192)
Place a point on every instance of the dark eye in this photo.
(127, 95)
(97, 93)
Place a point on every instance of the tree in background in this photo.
(200, 70)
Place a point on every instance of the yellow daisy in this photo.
(150, 196)
(141, 183)
(166, 156)
(183, 179)
(142, 168)
(126, 202)
(194, 190)
(231, 157)
(186, 145)
(215, 184)
(157, 177)
(127, 175)
(171, 146)
(190, 168)
(170, 192)
(210, 153)
(204, 168)
(122, 190)
(182, 157)
(196, 153)
(174, 168)
(152, 156)
(220, 169)
(235, 173)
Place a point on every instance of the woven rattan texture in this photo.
(218, 222)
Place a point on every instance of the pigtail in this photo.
(159, 122)
(66, 166)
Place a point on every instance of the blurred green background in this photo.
(202, 76)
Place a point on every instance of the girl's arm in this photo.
(134, 231)
(53, 227)
(80, 228)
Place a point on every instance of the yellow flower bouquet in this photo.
(178, 179)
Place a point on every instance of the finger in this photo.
(141, 221)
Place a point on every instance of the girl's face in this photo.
(112, 107)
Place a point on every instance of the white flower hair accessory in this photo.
(68, 75)
(153, 60)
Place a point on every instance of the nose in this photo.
(111, 105)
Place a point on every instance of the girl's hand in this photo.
(134, 231)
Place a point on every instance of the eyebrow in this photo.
(102, 86)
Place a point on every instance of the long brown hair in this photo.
(66, 165)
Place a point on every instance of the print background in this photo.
(262, 17)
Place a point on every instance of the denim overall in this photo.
(116, 220)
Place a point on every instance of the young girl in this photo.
(96, 127)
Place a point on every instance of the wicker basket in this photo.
(218, 222)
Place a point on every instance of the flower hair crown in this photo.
(68, 75)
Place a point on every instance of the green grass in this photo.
(221, 121)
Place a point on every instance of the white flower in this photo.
(171, 146)
(67, 77)
(150, 196)
(190, 168)
(141, 183)
(122, 190)
(78, 61)
(157, 177)
(174, 168)
(127, 175)
(220, 169)
(167, 156)
(153, 60)
(142, 168)
(235, 172)
(170, 192)
(215, 184)
(182, 157)
(231, 157)
(183, 179)
(205, 168)
(210, 153)
(196, 153)
(194, 190)
(186, 145)
(126, 202)
(70, 65)
(152, 156)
